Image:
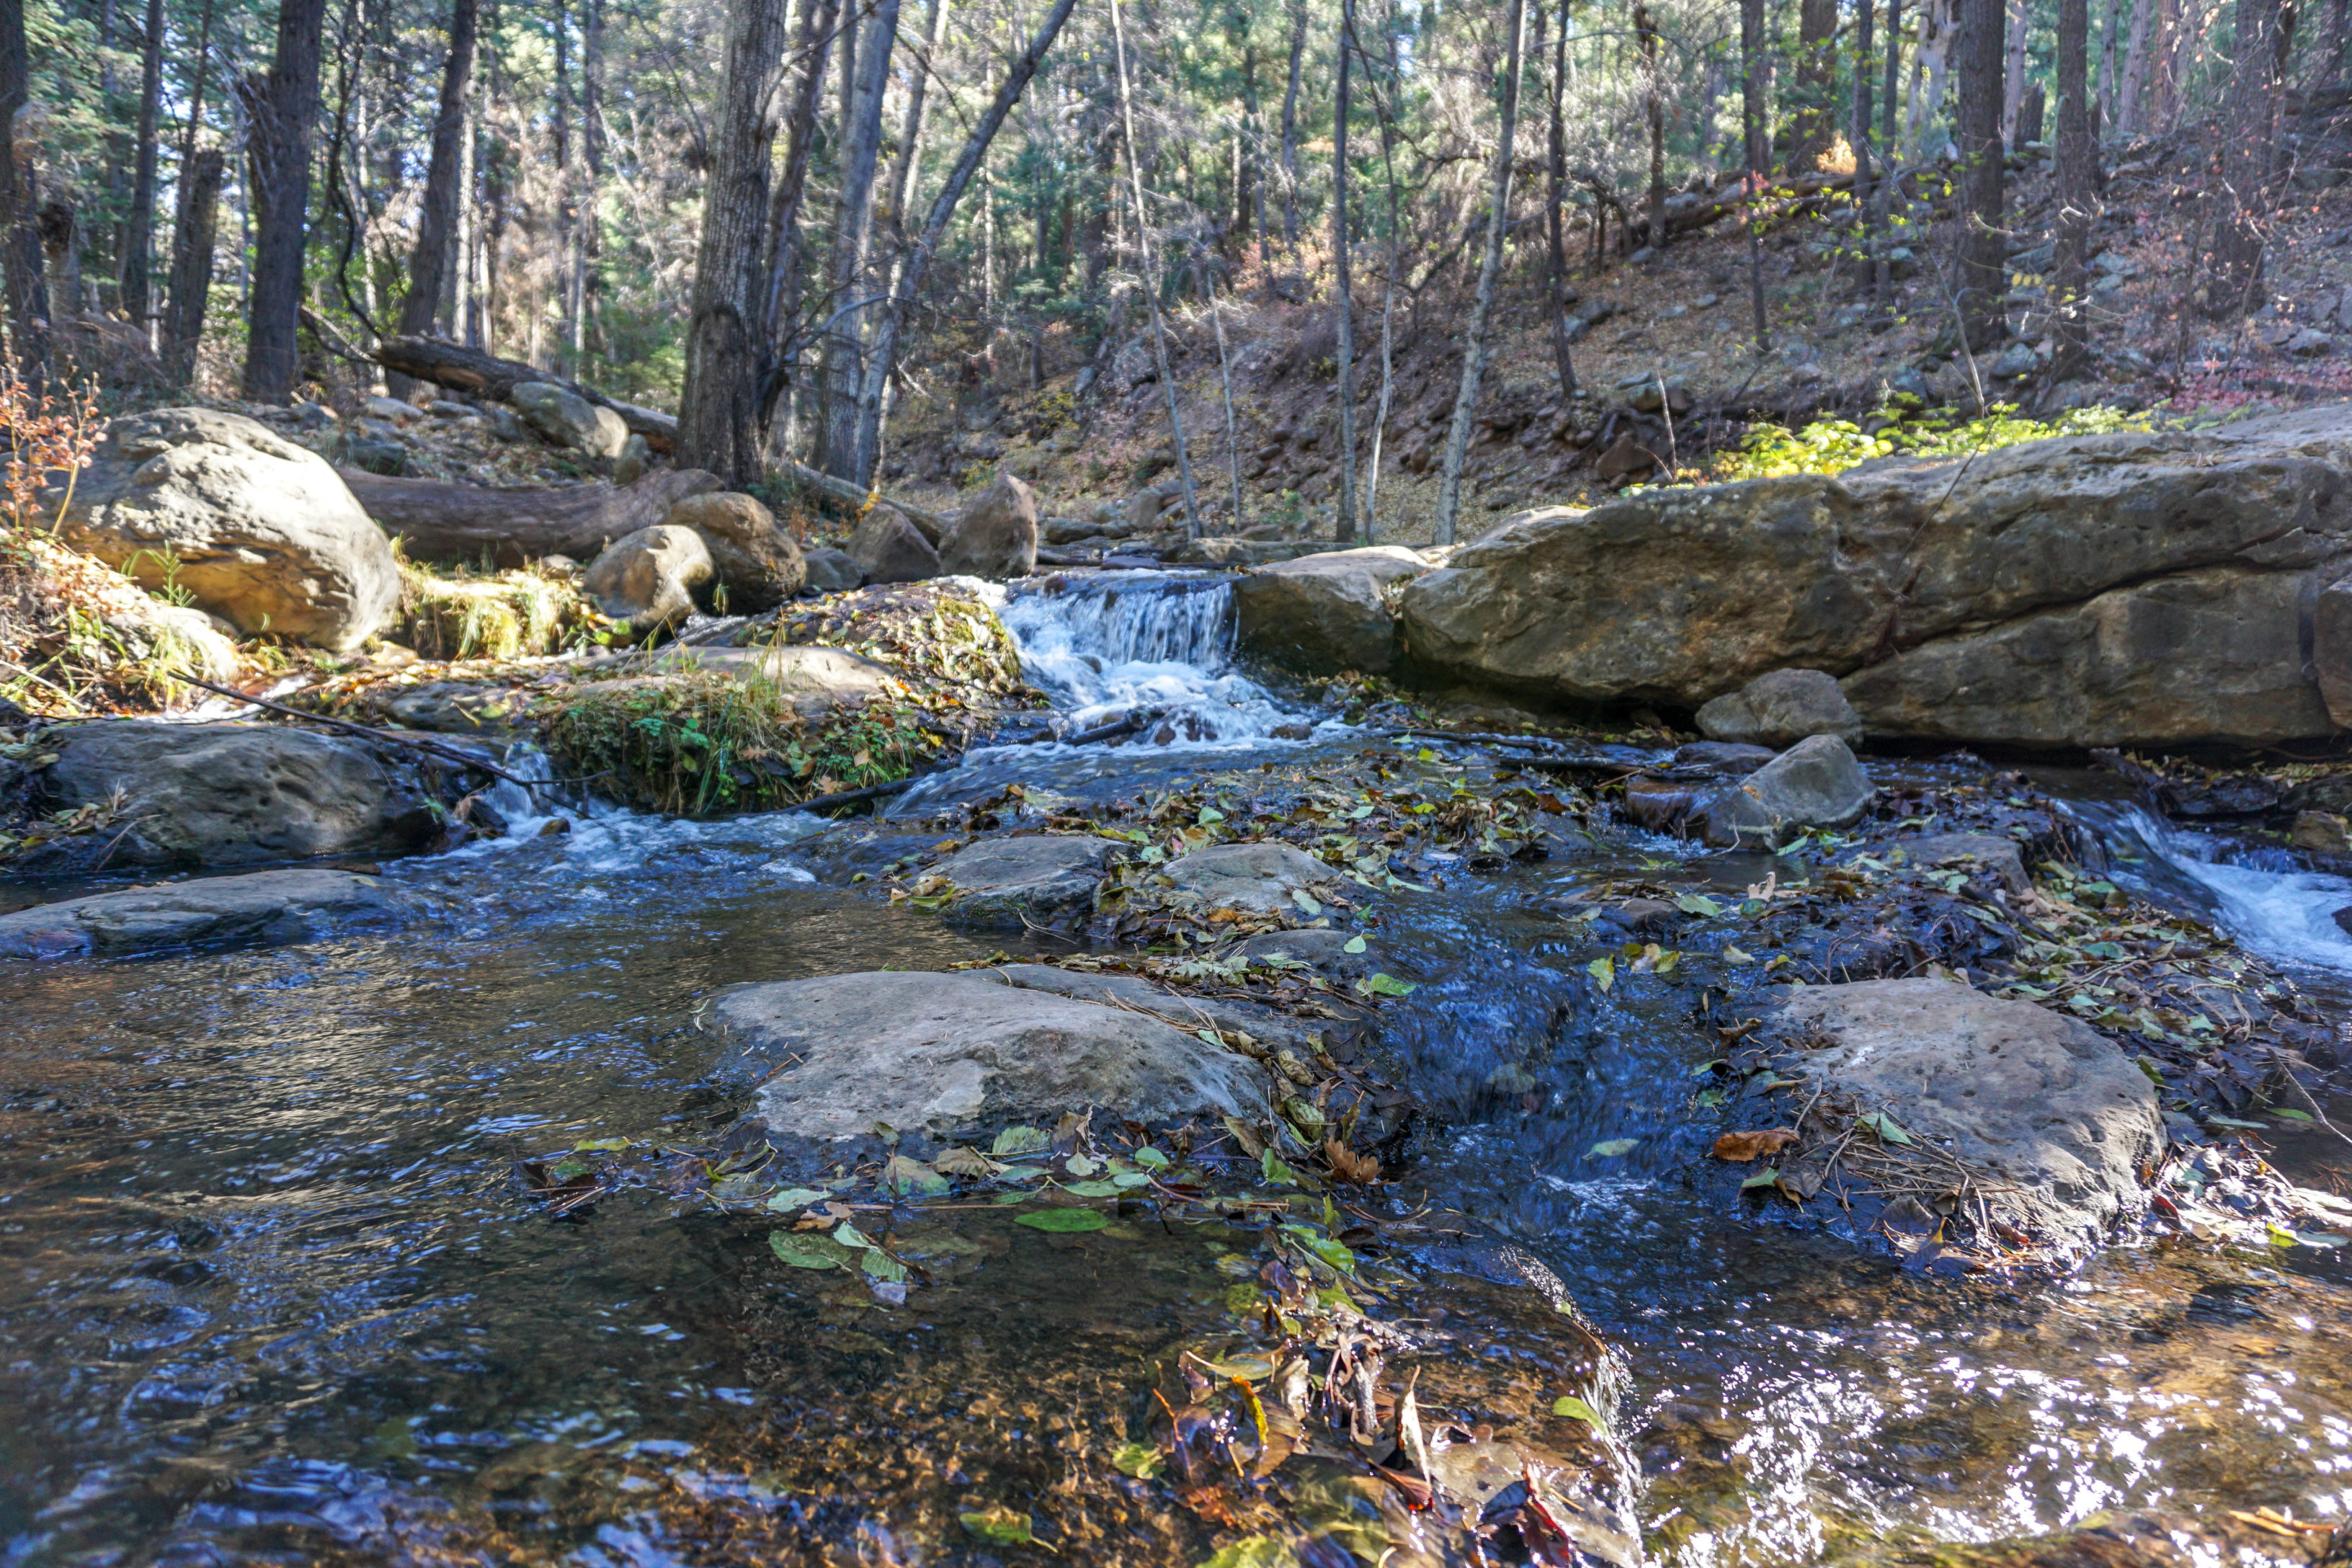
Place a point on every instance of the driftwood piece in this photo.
(444, 521)
(934, 527)
(462, 369)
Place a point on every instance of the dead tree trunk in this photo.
(280, 150)
(479, 374)
(1474, 354)
(1979, 273)
(192, 264)
(437, 221)
(437, 521)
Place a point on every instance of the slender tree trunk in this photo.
(2108, 58)
(1865, 210)
(458, 278)
(1387, 103)
(780, 323)
(1474, 353)
(1249, 202)
(1758, 156)
(2331, 54)
(1981, 277)
(2247, 162)
(1653, 108)
(436, 225)
(883, 360)
(2013, 92)
(843, 356)
(1816, 119)
(1555, 214)
(1225, 386)
(1888, 191)
(279, 156)
(1151, 275)
(190, 281)
(139, 227)
(1345, 526)
(585, 246)
(717, 415)
(1290, 126)
(2077, 153)
(566, 207)
(910, 137)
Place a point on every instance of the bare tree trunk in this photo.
(1758, 156)
(1555, 214)
(1882, 266)
(1150, 274)
(1860, 133)
(2013, 93)
(2077, 153)
(437, 223)
(559, 124)
(1226, 386)
(139, 227)
(585, 239)
(192, 264)
(910, 137)
(2247, 160)
(1344, 528)
(279, 151)
(1386, 103)
(1474, 353)
(1980, 276)
(1290, 126)
(2108, 58)
(786, 247)
(458, 278)
(844, 354)
(1249, 196)
(1815, 120)
(443, 521)
(1653, 108)
(718, 410)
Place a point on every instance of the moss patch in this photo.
(504, 615)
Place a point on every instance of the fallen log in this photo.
(934, 527)
(461, 369)
(439, 520)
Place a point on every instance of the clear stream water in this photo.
(270, 1292)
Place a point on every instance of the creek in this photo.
(272, 1292)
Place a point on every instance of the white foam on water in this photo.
(2288, 916)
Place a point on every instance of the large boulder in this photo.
(957, 1056)
(996, 536)
(1814, 784)
(1325, 613)
(567, 419)
(227, 794)
(752, 557)
(2130, 588)
(889, 549)
(2054, 1117)
(1032, 880)
(1780, 709)
(243, 522)
(264, 906)
(831, 571)
(648, 578)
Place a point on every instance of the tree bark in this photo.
(1290, 126)
(579, 299)
(1249, 200)
(1474, 353)
(2247, 159)
(1345, 527)
(1865, 19)
(1815, 120)
(1386, 101)
(479, 374)
(1555, 214)
(2077, 153)
(2012, 91)
(786, 246)
(193, 239)
(910, 135)
(279, 152)
(437, 222)
(843, 357)
(139, 227)
(1654, 109)
(1150, 274)
(1758, 155)
(20, 260)
(1981, 278)
(443, 521)
(1883, 267)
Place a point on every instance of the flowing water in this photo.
(271, 1292)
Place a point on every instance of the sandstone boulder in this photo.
(648, 578)
(889, 549)
(227, 795)
(264, 906)
(960, 1056)
(1813, 783)
(1781, 708)
(1016, 883)
(251, 527)
(996, 535)
(567, 419)
(1327, 612)
(752, 557)
(2058, 1120)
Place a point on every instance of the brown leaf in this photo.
(1348, 1165)
(1742, 1147)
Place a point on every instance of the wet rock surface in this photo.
(1814, 784)
(1014, 883)
(263, 907)
(1325, 612)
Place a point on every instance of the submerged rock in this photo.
(1036, 879)
(1814, 784)
(1327, 612)
(2058, 1118)
(1262, 879)
(1781, 708)
(265, 906)
(249, 526)
(951, 1056)
(2000, 858)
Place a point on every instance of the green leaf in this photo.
(884, 1268)
(1330, 1251)
(793, 1198)
(1355, 944)
(599, 1145)
(1063, 1220)
(850, 1235)
(1603, 972)
(1138, 1459)
(1091, 1189)
(1380, 984)
(2233, 1122)
(998, 1525)
(1255, 1551)
(2290, 1113)
(1210, 814)
(1763, 1178)
(1889, 1131)
(1699, 904)
(1271, 1167)
(1021, 1140)
(1082, 1165)
(1306, 902)
(1129, 1181)
(1570, 1405)
(1148, 1155)
(1609, 1148)
(1733, 955)
(2155, 1075)
(808, 1249)
(902, 1176)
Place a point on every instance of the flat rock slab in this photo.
(812, 678)
(2040, 1102)
(1134, 991)
(1258, 878)
(1038, 879)
(267, 906)
(956, 1056)
(2000, 858)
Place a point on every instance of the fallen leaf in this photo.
(1609, 1148)
(1138, 1459)
(962, 1162)
(1348, 1165)
(1354, 944)
(793, 1198)
(1767, 1177)
(998, 1525)
(1570, 1405)
(1063, 1220)
(903, 1176)
(1741, 1147)
(1019, 1140)
(809, 1250)
(1603, 972)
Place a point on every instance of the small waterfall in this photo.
(2263, 896)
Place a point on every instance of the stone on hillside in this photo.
(2058, 1120)
(1780, 710)
(636, 457)
(567, 419)
(889, 549)
(1016, 883)
(226, 794)
(264, 906)
(1326, 612)
(1256, 878)
(648, 578)
(392, 409)
(2000, 857)
(956, 1057)
(251, 527)
(2012, 362)
(1814, 784)
(752, 555)
(831, 571)
(2132, 588)
(1143, 509)
(996, 535)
